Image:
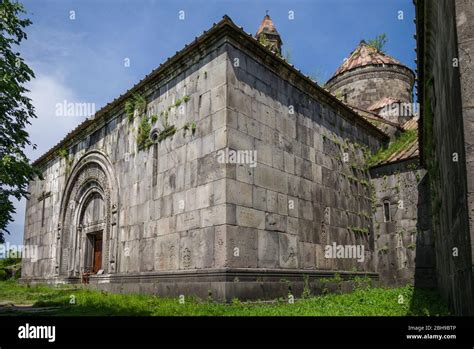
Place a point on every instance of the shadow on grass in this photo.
(79, 310)
(90, 310)
(427, 302)
(89, 303)
(82, 301)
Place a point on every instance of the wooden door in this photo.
(97, 261)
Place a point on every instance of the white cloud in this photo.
(45, 131)
(48, 129)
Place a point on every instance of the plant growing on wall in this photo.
(405, 139)
(167, 129)
(143, 134)
(137, 103)
(136, 106)
(378, 42)
(64, 154)
(190, 126)
(339, 95)
(168, 132)
(359, 231)
(263, 40)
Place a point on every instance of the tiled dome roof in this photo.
(363, 55)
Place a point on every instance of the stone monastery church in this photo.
(226, 172)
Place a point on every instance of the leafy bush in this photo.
(9, 261)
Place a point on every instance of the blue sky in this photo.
(82, 60)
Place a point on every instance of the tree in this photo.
(16, 111)
(378, 42)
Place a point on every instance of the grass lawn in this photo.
(364, 301)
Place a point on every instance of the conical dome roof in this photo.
(364, 55)
(267, 26)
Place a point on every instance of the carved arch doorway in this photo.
(87, 235)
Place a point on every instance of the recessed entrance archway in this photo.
(87, 234)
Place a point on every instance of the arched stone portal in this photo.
(90, 236)
(89, 213)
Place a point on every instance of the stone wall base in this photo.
(223, 285)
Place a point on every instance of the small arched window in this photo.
(386, 211)
(154, 135)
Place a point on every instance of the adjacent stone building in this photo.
(404, 237)
(372, 80)
(226, 173)
(445, 46)
(380, 89)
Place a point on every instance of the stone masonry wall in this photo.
(447, 135)
(40, 227)
(404, 243)
(302, 195)
(171, 195)
(465, 35)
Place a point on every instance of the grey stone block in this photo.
(268, 249)
(288, 245)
